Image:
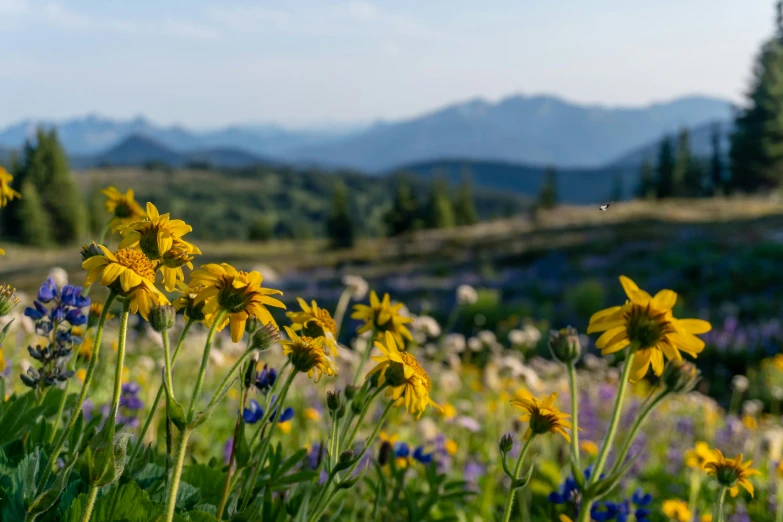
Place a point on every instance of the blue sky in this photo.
(210, 63)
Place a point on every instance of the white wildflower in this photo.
(466, 295)
(357, 285)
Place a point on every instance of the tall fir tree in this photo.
(464, 207)
(664, 185)
(616, 193)
(757, 141)
(439, 211)
(646, 187)
(33, 228)
(717, 183)
(547, 195)
(339, 227)
(403, 216)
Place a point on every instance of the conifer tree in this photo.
(547, 196)
(33, 227)
(716, 160)
(403, 216)
(616, 193)
(646, 187)
(439, 212)
(757, 141)
(339, 227)
(664, 187)
(464, 208)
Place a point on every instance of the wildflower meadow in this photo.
(159, 388)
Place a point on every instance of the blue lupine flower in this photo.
(287, 415)
(640, 499)
(76, 317)
(36, 313)
(424, 458)
(266, 379)
(564, 493)
(48, 290)
(602, 511)
(57, 314)
(253, 413)
(402, 450)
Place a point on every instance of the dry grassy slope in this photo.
(561, 227)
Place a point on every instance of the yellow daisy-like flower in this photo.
(732, 473)
(408, 382)
(130, 274)
(542, 416)
(3, 363)
(236, 292)
(2, 252)
(589, 447)
(122, 206)
(312, 414)
(86, 348)
(7, 194)
(315, 322)
(160, 238)
(647, 323)
(699, 456)
(187, 302)
(677, 510)
(706, 518)
(779, 469)
(383, 317)
(308, 355)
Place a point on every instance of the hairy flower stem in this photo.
(319, 509)
(339, 312)
(717, 514)
(512, 490)
(176, 474)
(115, 401)
(92, 494)
(365, 356)
(82, 396)
(634, 429)
(572, 384)
(350, 414)
(584, 509)
(347, 443)
(268, 438)
(204, 361)
(60, 409)
(333, 446)
(695, 486)
(232, 457)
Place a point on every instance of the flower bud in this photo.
(264, 338)
(357, 405)
(680, 377)
(346, 456)
(91, 250)
(162, 317)
(333, 400)
(506, 443)
(341, 411)
(8, 299)
(395, 374)
(176, 257)
(350, 391)
(565, 345)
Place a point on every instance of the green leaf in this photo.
(133, 505)
(3, 334)
(292, 461)
(12, 487)
(241, 449)
(75, 437)
(47, 499)
(177, 414)
(293, 478)
(200, 516)
(209, 482)
(30, 484)
(20, 415)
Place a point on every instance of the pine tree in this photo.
(260, 230)
(757, 142)
(665, 176)
(547, 196)
(403, 216)
(439, 212)
(33, 226)
(646, 188)
(464, 208)
(687, 172)
(617, 189)
(716, 161)
(59, 194)
(339, 227)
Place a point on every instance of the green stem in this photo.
(60, 409)
(634, 429)
(167, 354)
(512, 490)
(695, 486)
(347, 444)
(82, 396)
(349, 415)
(229, 481)
(91, 496)
(204, 360)
(572, 384)
(618, 406)
(365, 356)
(225, 383)
(176, 473)
(717, 514)
(115, 401)
(333, 446)
(339, 312)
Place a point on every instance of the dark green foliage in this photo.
(717, 183)
(439, 211)
(646, 187)
(339, 227)
(617, 189)
(260, 230)
(32, 223)
(403, 216)
(547, 196)
(665, 187)
(96, 212)
(464, 209)
(757, 141)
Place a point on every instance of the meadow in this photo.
(229, 407)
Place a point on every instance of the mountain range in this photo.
(534, 130)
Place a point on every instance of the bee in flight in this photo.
(605, 206)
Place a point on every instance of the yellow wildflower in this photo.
(699, 456)
(285, 427)
(312, 414)
(308, 355)
(315, 322)
(589, 447)
(238, 293)
(408, 382)
(3, 362)
(749, 422)
(451, 447)
(7, 194)
(677, 510)
(381, 316)
(81, 374)
(732, 473)
(123, 207)
(706, 518)
(130, 274)
(448, 411)
(647, 323)
(543, 416)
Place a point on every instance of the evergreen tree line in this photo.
(678, 173)
(51, 210)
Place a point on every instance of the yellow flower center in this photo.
(123, 209)
(411, 361)
(321, 324)
(136, 261)
(646, 327)
(304, 355)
